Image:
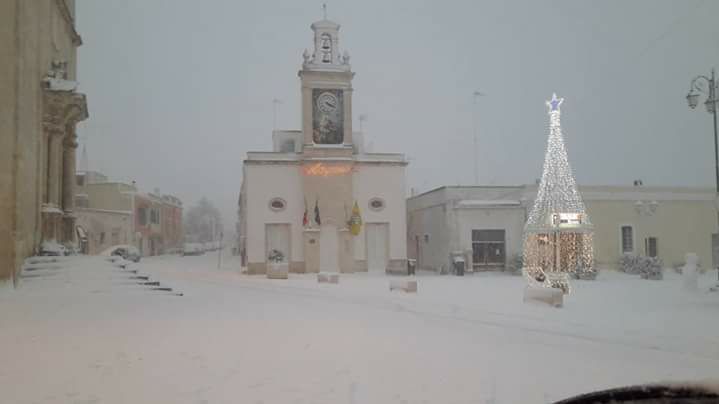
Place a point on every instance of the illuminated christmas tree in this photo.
(558, 233)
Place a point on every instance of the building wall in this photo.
(679, 226)
(32, 34)
(387, 183)
(263, 182)
(109, 195)
(10, 253)
(511, 220)
(105, 228)
(171, 224)
(428, 236)
(148, 235)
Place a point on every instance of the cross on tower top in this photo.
(324, 10)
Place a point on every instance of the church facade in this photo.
(319, 201)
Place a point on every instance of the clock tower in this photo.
(326, 79)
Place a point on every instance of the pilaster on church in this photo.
(63, 108)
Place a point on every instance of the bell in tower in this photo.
(326, 55)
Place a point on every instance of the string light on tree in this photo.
(558, 233)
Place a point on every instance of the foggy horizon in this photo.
(170, 82)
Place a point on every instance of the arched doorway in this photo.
(329, 248)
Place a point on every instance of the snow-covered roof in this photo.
(469, 203)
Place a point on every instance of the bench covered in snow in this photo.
(328, 277)
(552, 296)
(409, 286)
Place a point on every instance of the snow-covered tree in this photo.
(203, 222)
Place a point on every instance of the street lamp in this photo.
(708, 86)
(475, 95)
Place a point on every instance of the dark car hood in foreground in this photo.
(668, 393)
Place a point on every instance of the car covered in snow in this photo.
(193, 249)
(127, 252)
(53, 249)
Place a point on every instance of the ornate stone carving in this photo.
(63, 109)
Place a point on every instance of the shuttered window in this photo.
(627, 239)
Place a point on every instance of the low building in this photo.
(171, 224)
(486, 223)
(99, 229)
(114, 211)
(297, 201)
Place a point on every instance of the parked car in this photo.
(127, 252)
(193, 249)
(52, 249)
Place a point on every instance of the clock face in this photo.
(327, 116)
(327, 102)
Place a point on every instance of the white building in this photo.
(486, 223)
(322, 171)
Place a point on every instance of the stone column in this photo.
(53, 178)
(68, 186)
(68, 172)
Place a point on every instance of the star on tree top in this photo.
(554, 103)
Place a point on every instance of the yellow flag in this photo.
(355, 220)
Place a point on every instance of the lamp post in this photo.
(475, 95)
(697, 86)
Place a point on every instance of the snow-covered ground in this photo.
(85, 332)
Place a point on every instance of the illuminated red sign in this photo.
(322, 170)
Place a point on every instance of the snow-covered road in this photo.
(86, 336)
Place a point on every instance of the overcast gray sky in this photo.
(180, 90)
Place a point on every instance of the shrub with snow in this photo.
(651, 268)
(645, 267)
(514, 264)
(276, 256)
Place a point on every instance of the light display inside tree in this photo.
(558, 233)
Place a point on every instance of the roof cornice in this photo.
(67, 16)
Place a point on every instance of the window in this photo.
(155, 216)
(627, 239)
(80, 179)
(142, 216)
(426, 238)
(488, 248)
(376, 204)
(102, 238)
(277, 204)
(650, 246)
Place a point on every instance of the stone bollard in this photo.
(551, 296)
(278, 270)
(325, 277)
(409, 286)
